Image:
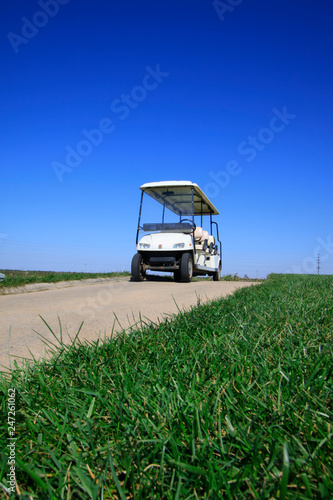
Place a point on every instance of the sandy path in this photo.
(96, 304)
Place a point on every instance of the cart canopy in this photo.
(177, 197)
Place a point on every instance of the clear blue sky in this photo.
(100, 97)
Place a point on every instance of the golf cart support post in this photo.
(179, 247)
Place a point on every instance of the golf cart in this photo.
(178, 243)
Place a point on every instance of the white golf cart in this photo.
(180, 246)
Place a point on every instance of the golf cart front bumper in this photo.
(161, 261)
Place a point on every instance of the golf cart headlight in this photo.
(179, 245)
(144, 245)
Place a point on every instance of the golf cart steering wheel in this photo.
(189, 220)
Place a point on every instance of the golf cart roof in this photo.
(177, 196)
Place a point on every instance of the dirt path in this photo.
(103, 306)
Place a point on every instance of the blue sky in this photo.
(100, 97)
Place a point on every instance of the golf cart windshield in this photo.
(156, 217)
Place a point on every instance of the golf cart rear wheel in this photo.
(186, 268)
(137, 269)
(217, 275)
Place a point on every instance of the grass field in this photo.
(20, 278)
(232, 399)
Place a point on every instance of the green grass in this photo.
(232, 399)
(20, 278)
(235, 277)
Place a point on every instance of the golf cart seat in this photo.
(201, 238)
(198, 234)
(210, 244)
(205, 236)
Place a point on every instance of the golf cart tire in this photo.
(217, 275)
(137, 268)
(186, 268)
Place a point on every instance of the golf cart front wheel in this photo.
(137, 269)
(186, 268)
